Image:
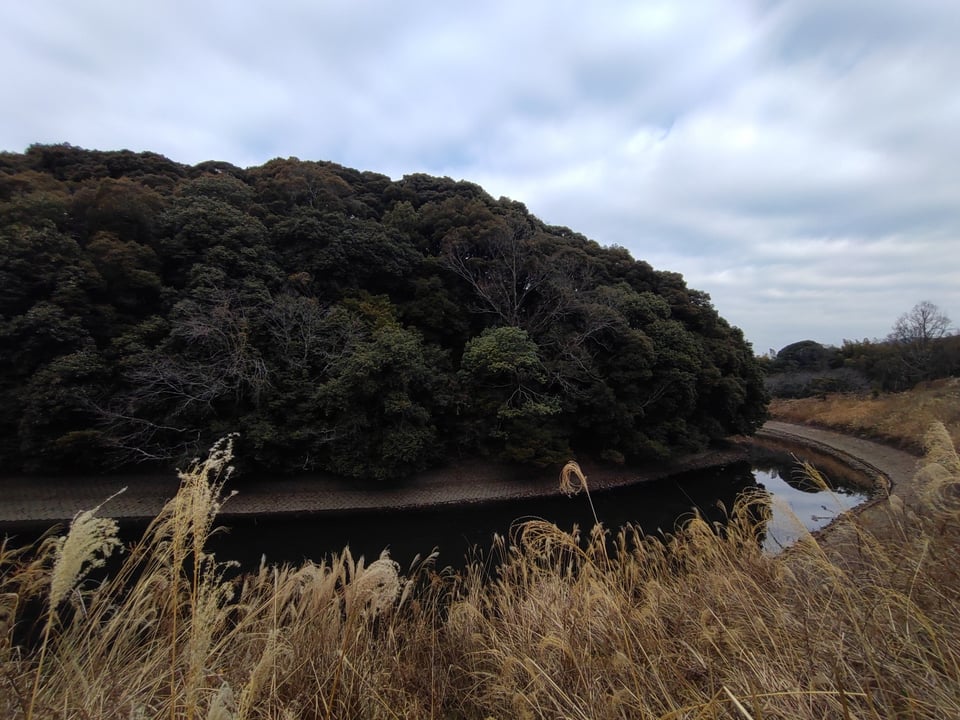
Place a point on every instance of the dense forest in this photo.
(338, 320)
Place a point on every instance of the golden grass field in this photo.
(703, 626)
(901, 419)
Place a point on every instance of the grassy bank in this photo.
(704, 627)
(901, 419)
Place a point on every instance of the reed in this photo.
(87, 544)
(612, 624)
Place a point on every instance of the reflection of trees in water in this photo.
(792, 474)
(785, 466)
(654, 507)
(801, 502)
(783, 461)
(659, 505)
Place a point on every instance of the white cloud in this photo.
(795, 159)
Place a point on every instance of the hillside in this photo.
(338, 320)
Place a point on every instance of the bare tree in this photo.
(309, 335)
(171, 392)
(225, 353)
(548, 292)
(219, 343)
(507, 274)
(923, 324)
(917, 332)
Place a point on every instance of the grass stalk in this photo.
(697, 623)
(572, 481)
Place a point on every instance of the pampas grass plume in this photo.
(87, 545)
(223, 705)
(941, 474)
(376, 588)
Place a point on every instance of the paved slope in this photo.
(34, 500)
(896, 466)
(49, 500)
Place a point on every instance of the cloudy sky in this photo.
(798, 160)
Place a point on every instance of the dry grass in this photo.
(703, 626)
(901, 419)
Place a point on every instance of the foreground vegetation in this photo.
(900, 419)
(704, 626)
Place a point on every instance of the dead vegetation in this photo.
(701, 626)
(901, 419)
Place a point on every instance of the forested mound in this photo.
(336, 319)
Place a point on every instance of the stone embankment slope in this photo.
(895, 468)
(53, 500)
(889, 517)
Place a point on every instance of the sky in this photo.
(799, 160)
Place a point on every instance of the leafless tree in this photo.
(218, 340)
(516, 279)
(923, 324)
(214, 354)
(133, 439)
(170, 392)
(304, 333)
(508, 275)
(916, 332)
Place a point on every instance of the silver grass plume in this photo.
(87, 545)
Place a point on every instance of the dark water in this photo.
(462, 533)
(459, 533)
(456, 531)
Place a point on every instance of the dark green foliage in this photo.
(807, 355)
(507, 383)
(807, 369)
(55, 406)
(338, 320)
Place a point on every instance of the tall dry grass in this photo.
(701, 626)
(898, 418)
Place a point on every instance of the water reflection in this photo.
(462, 532)
(798, 503)
(467, 531)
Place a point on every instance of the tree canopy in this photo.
(337, 319)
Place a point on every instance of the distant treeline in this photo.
(897, 363)
(337, 320)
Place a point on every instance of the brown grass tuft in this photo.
(700, 624)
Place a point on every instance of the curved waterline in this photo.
(466, 531)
